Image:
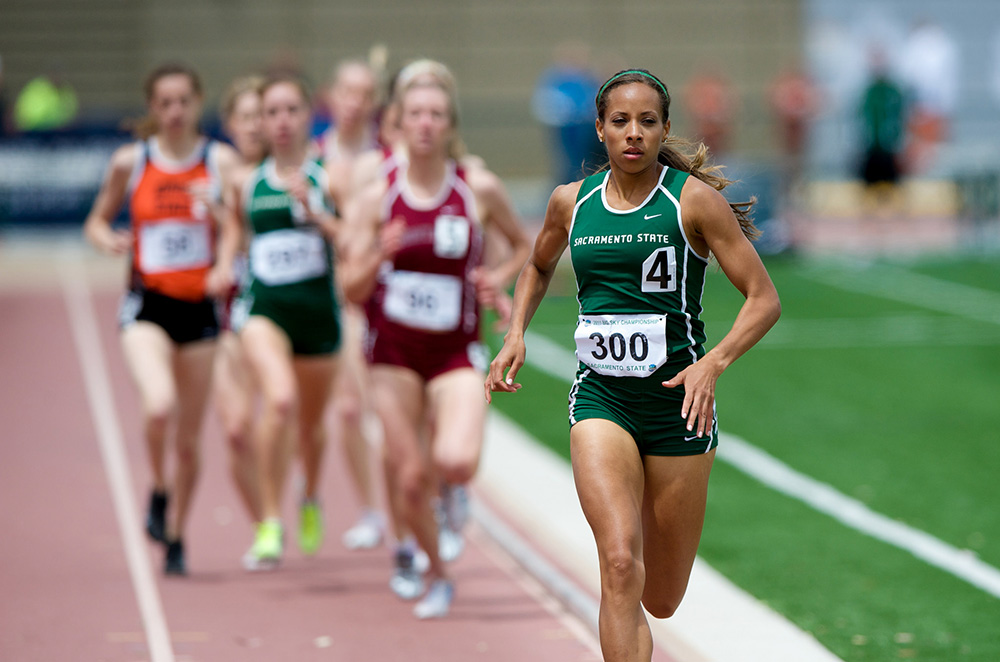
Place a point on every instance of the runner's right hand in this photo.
(511, 356)
(114, 242)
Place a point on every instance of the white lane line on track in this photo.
(86, 337)
(917, 330)
(853, 513)
(537, 577)
(772, 472)
(898, 284)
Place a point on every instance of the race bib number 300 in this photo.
(282, 257)
(622, 345)
(174, 246)
(430, 302)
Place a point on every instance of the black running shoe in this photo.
(156, 517)
(175, 559)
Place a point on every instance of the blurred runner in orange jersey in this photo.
(414, 256)
(171, 178)
(233, 387)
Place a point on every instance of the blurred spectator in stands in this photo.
(564, 101)
(930, 74)
(711, 103)
(794, 101)
(883, 117)
(46, 103)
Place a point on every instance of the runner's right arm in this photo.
(367, 244)
(531, 286)
(98, 227)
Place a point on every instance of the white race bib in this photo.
(622, 345)
(282, 257)
(430, 302)
(174, 246)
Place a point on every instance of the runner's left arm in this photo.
(713, 224)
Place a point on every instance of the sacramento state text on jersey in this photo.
(640, 238)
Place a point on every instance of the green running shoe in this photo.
(267, 546)
(310, 527)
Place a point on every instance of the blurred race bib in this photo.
(281, 257)
(430, 302)
(174, 246)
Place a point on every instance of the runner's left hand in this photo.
(699, 381)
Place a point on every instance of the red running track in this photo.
(65, 578)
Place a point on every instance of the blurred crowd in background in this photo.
(876, 98)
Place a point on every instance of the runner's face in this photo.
(175, 105)
(426, 121)
(633, 127)
(286, 117)
(352, 98)
(244, 126)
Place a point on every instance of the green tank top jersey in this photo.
(290, 261)
(637, 275)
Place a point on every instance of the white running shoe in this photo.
(406, 582)
(253, 563)
(451, 544)
(365, 534)
(421, 562)
(437, 602)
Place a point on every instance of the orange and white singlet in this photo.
(174, 235)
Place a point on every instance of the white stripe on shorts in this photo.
(572, 395)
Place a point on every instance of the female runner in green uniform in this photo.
(288, 317)
(642, 409)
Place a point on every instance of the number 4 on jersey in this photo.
(659, 271)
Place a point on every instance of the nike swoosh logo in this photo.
(647, 216)
(691, 438)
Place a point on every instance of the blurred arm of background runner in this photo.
(98, 227)
(367, 242)
(497, 212)
(317, 215)
(221, 278)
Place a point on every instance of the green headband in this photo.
(634, 71)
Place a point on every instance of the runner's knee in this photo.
(348, 410)
(623, 572)
(459, 470)
(239, 442)
(660, 606)
(412, 483)
(281, 404)
(159, 411)
(188, 457)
